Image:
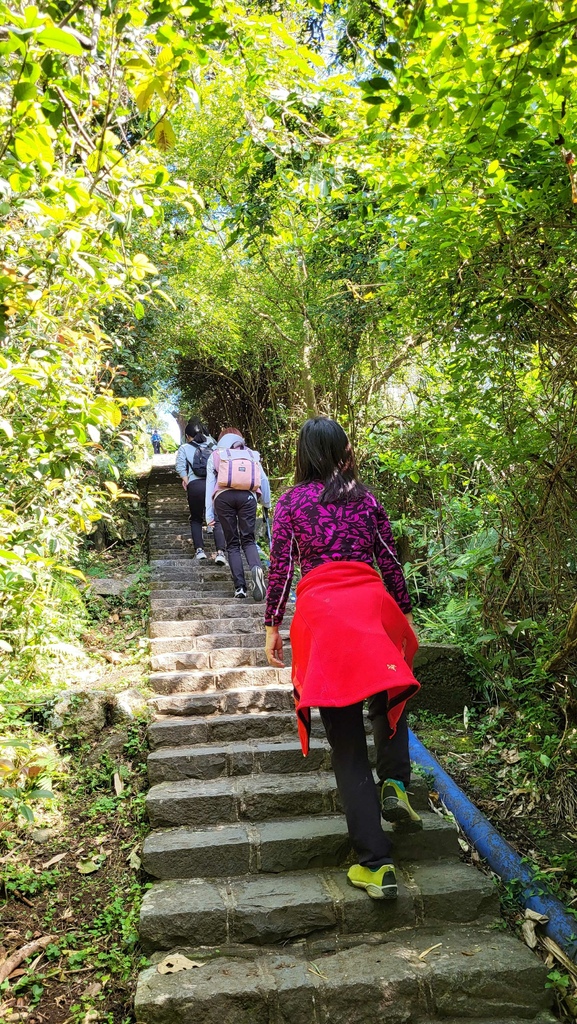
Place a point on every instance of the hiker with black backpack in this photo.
(235, 480)
(191, 465)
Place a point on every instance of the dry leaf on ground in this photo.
(177, 962)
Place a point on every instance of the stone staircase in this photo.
(249, 849)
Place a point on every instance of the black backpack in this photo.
(202, 454)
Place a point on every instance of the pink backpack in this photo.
(237, 468)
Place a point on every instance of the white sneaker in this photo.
(240, 592)
(200, 555)
(220, 558)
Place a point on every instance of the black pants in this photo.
(156, 447)
(236, 511)
(346, 734)
(195, 493)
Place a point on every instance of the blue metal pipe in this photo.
(501, 857)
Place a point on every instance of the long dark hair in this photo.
(324, 453)
(196, 430)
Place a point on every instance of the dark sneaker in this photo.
(258, 584)
(240, 592)
(379, 885)
(395, 807)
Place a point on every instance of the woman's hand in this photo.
(185, 483)
(273, 647)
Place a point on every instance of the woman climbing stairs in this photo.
(249, 849)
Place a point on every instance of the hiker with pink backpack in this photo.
(235, 481)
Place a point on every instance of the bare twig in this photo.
(22, 954)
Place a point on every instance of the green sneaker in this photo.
(395, 806)
(379, 885)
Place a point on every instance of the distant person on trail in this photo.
(156, 441)
(234, 481)
(351, 636)
(191, 465)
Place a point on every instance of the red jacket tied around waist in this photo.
(347, 639)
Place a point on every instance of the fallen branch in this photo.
(22, 954)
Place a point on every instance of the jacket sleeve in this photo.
(283, 556)
(388, 562)
(180, 464)
(210, 482)
(264, 489)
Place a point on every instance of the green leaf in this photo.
(386, 63)
(25, 91)
(60, 39)
(88, 865)
(372, 114)
(138, 310)
(26, 378)
(379, 83)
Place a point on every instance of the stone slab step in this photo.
(212, 642)
(203, 626)
(264, 909)
(186, 732)
(241, 745)
(239, 701)
(207, 606)
(293, 844)
(229, 657)
(195, 592)
(243, 757)
(225, 799)
(387, 983)
(277, 755)
(220, 679)
(243, 798)
(206, 579)
(196, 589)
(223, 595)
(199, 608)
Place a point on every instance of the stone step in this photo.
(246, 798)
(249, 798)
(199, 608)
(205, 626)
(291, 844)
(219, 679)
(229, 657)
(472, 973)
(239, 744)
(205, 579)
(187, 732)
(168, 591)
(203, 568)
(240, 701)
(174, 732)
(162, 645)
(195, 597)
(264, 909)
(243, 757)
